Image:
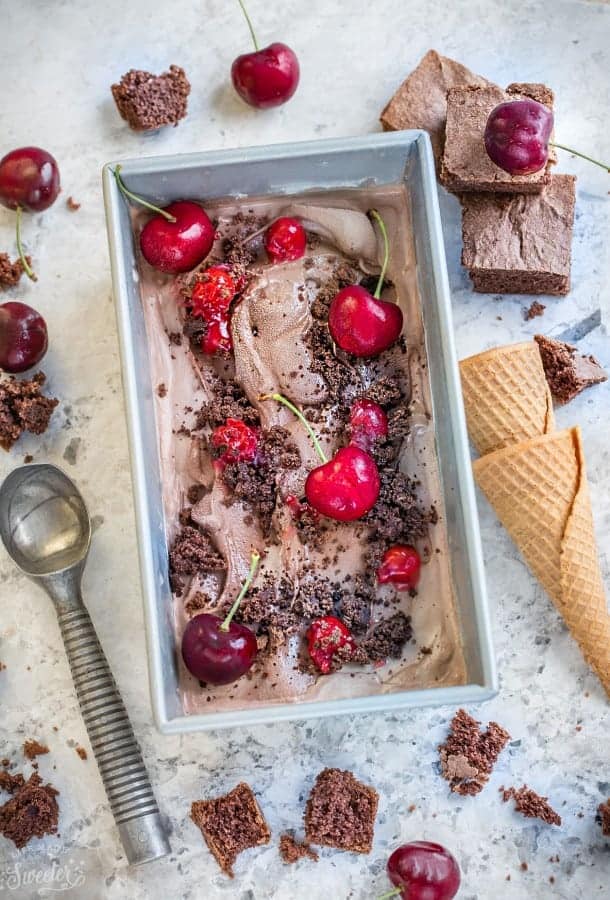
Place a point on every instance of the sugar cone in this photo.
(539, 490)
(506, 396)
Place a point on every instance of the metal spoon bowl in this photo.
(45, 527)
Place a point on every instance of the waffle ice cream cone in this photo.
(539, 491)
(506, 396)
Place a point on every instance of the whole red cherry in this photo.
(23, 337)
(267, 77)
(326, 636)
(368, 423)
(217, 651)
(285, 240)
(180, 245)
(361, 323)
(29, 178)
(400, 566)
(345, 487)
(517, 136)
(422, 870)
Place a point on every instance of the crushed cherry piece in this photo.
(299, 508)
(368, 423)
(211, 301)
(325, 638)
(285, 240)
(240, 442)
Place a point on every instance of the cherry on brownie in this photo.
(341, 812)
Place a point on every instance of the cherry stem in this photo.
(26, 266)
(250, 26)
(254, 561)
(116, 172)
(314, 438)
(386, 252)
(590, 159)
(393, 893)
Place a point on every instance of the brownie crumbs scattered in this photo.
(292, 850)
(192, 552)
(386, 640)
(356, 603)
(603, 816)
(161, 390)
(229, 402)
(72, 205)
(231, 824)
(531, 805)
(175, 338)
(32, 811)
(524, 866)
(385, 391)
(341, 812)
(397, 517)
(147, 102)
(23, 408)
(268, 606)
(81, 751)
(10, 783)
(317, 596)
(536, 309)
(197, 603)
(567, 371)
(469, 755)
(33, 748)
(238, 249)
(11, 272)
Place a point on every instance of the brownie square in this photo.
(421, 100)
(520, 244)
(466, 165)
(231, 824)
(340, 812)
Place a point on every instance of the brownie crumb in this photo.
(11, 272)
(161, 390)
(292, 850)
(341, 812)
(23, 408)
(531, 805)
(147, 102)
(33, 748)
(198, 602)
(175, 338)
(524, 867)
(567, 371)
(32, 811)
(397, 517)
(231, 824)
(10, 783)
(603, 811)
(469, 755)
(2, 666)
(228, 402)
(193, 552)
(72, 205)
(269, 607)
(28, 458)
(386, 640)
(536, 309)
(81, 751)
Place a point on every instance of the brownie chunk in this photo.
(520, 245)
(567, 371)
(531, 805)
(469, 755)
(292, 850)
(148, 101)
(534, 310)
(604, 817)
(341, 812)
(10, 272)
(23, 408)
(385, 641)
(421, 100)
(33, 748)
(231, 824)
(192, 552)
(32, 811)
(466, 165)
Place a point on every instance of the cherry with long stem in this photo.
(26, 266)
(136, 199)
(254, 561)
(386, 252)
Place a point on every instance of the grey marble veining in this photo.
(58, 60)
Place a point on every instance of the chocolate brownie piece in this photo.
(534, 310)
(23, 408)
(32, 811)
(469, 755)
(604, 817)
(531, 805)
(33, 748)
(231, 824)
(192, 553)
(466, 165)
(520, 244)
(340, 812)
(421, 100)
(567, 371)
(10, 272)
(148, 101)
(292, 850)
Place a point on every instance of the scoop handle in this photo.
(116, 750)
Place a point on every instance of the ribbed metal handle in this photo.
(114, 744)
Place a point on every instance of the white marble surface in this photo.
(57, 60)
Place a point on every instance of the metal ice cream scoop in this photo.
(45, 527)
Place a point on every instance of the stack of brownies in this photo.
(516, 229)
